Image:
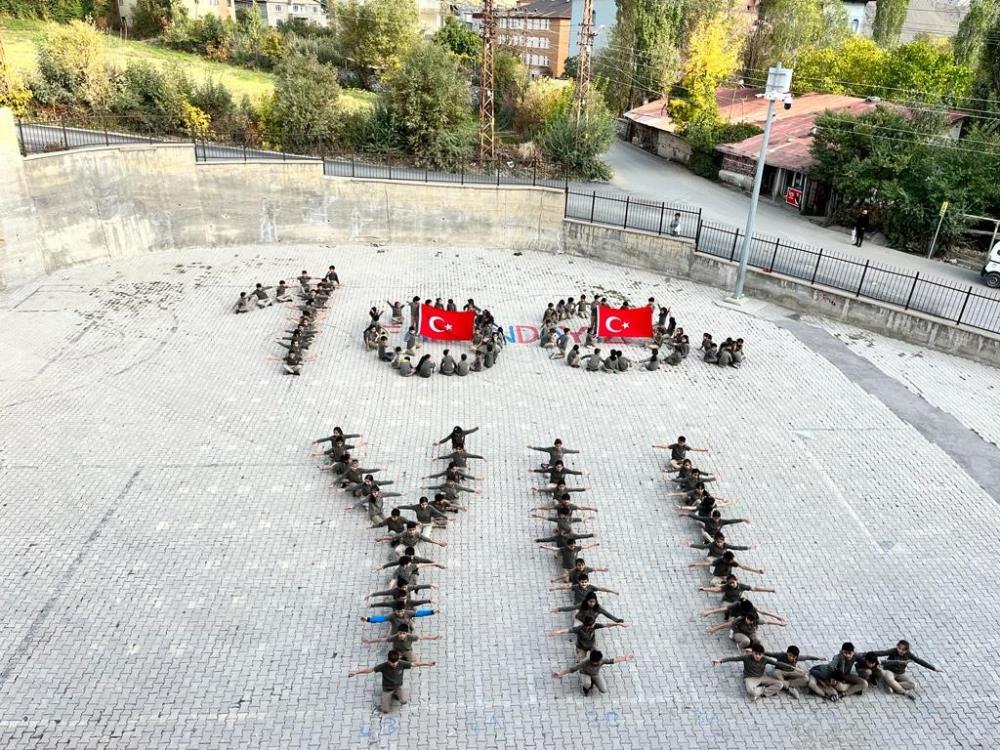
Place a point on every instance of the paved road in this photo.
(42, 138)
(642, 174)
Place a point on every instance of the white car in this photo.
(991, 271)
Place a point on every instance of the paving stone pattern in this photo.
(175, 573)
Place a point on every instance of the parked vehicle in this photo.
(991, 271)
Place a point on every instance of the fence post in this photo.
(390, 167)
(774, 255)
(107, 139)
(244, 153)
(816, 269)
(625, 222)
(566, 203)
(20, 138)
(663, 209)
(736, 239)
(593, 202)
(534, 174)
(463, 173)
(65, 139)
(964, 305)
(352, 166)
(863, 274)
(498, 176)
(697, 232)
(913, 288)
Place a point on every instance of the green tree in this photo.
(856, 68)
(376, 34)
(976, 47)
(304, 114)
(71, 65)
(510, 79)
(151, 100)
(711, 57)
(642, 57)
(458, 38)
(926, 70)
(890, 15)
(785, 28)
(900, 165)
(575, 141)
(153, 17)
(537, 105)
(428, 100)
(920, 71)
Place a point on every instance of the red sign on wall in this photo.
(793, 197)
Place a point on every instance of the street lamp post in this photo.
(779, 82)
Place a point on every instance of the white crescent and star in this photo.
(607, 324)
(433, 327)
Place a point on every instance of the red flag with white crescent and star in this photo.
(633, 323)
(445, 325)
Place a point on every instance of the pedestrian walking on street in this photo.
(860, 227)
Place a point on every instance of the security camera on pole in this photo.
(779, 82)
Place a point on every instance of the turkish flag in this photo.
(634, 323)
(447, 326)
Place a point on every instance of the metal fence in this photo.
(816, 267)
(863, 279)
(631, 213)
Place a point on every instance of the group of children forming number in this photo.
(487, 341)
(312, 299)
(769, 673)
(669, 344)
(566, 543)
(405, 535)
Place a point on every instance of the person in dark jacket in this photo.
(860, 227)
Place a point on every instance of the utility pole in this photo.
(779, 83)
(583, 62)
(487, 82)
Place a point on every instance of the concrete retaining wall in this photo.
(676, 257)
(79, 206)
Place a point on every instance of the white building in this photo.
(273, 12)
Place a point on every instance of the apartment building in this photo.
(273, 12)
(539, 31)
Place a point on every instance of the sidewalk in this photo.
(641, 173)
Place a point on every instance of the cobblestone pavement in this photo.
(175, 573)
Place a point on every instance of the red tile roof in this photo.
(791, 136)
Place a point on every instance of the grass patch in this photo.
(20, 36)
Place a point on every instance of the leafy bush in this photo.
(576, 141)
(458, 38)
(537, 104)
(374, 35)
(150, 100)
(71, 66)
(428, 98)
(704, 133)
(15, 95)
(153, 17)
(303, 114)
(214, 99)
